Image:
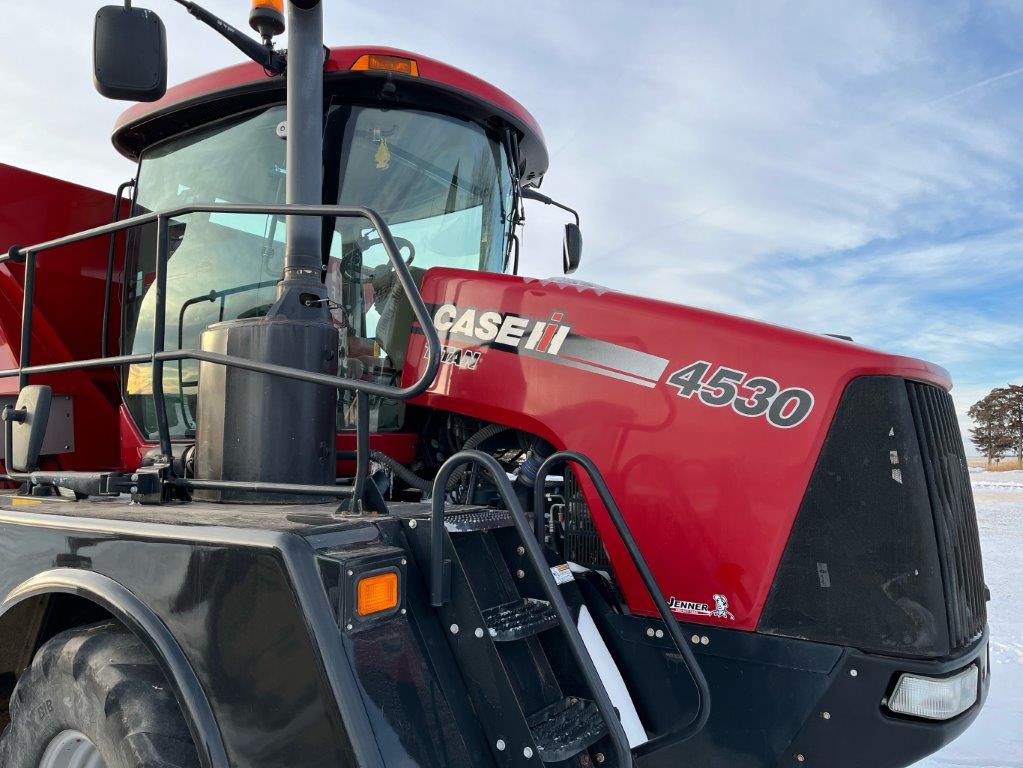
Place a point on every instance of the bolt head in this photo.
(649, 631)
(479, 632)
(520, 551)
(705, 640)
(527, 752)
(695, 639)
(454, 629)
(800, 758)
(600, 757)
(659, 633)
(853, 673)
(351, 573)
(413, 523)
(826, 715)
(520, 574)
(404, 561)
(349, 627)
(500, 745)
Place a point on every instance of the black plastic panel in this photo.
(861, 567)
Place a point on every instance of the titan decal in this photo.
(456, 357)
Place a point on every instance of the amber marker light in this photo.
(377, 593)
(382, 63)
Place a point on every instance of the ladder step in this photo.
(519, 619)
(478, 520)
(566, 728)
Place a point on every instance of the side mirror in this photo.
(25, 428)
(129, 54)
(573, 249)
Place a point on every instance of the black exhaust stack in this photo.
(253, 426)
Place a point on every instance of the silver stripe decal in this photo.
(614, 356)
(587, 367)
(594, 356)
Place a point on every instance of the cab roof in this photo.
(239, 88)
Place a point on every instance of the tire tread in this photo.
(106, 684)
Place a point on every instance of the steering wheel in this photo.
(401, 242)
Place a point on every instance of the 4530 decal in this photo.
(750, 396)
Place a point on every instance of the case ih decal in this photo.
(503, 330)
(753, 397)
(549, 338)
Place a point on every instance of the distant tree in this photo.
(1013, 395)
(992, 435)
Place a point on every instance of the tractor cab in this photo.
(442, 167)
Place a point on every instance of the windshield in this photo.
(442, 184)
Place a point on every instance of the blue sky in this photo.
(851, 168)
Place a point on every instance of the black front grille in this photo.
(955, 518)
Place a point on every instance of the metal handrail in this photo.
(625, 533)
(539, 563)
(108, 281)
(158, 356)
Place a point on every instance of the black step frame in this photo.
(671, 625)
(539, 563)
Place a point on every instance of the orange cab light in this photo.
(267, 17)
(378, 593)
(378, 61)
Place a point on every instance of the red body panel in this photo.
(341, 60)
(710, 495)
(69, 296)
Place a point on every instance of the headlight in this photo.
(935, 698)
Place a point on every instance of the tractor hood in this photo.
(707, 427)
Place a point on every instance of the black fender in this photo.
(139, 619)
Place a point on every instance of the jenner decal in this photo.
(689, 608)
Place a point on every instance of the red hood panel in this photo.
(710, 494)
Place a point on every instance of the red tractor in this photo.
(300, 472)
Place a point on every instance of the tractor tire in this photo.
(95, 696)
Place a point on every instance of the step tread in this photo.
(520, 619)
(566, 728)
(478, 520)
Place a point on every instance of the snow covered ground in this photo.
(996, 739)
